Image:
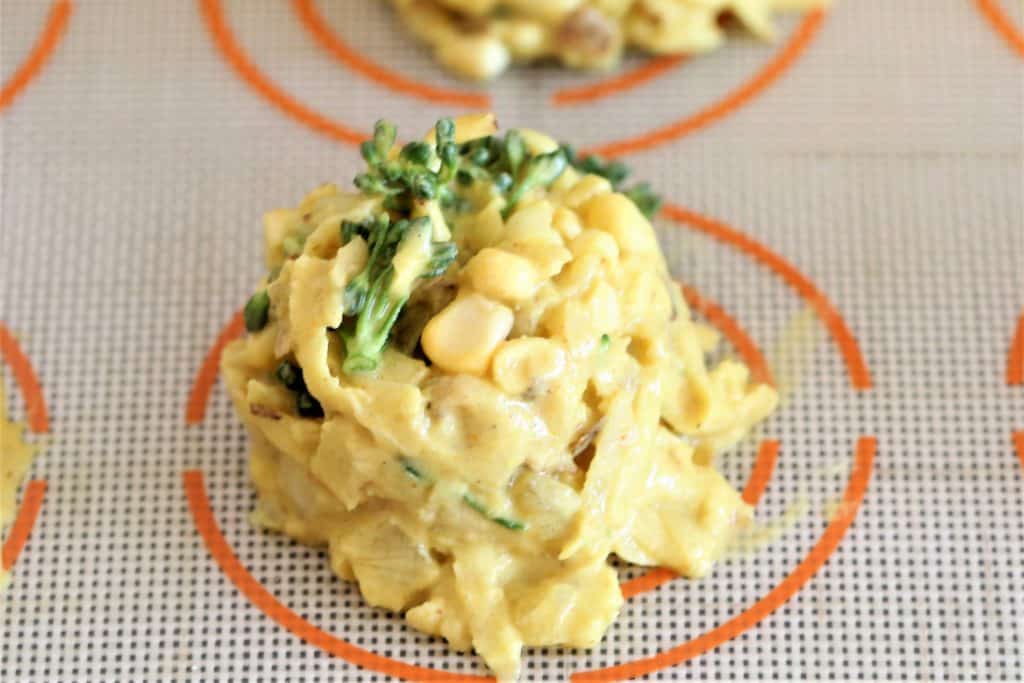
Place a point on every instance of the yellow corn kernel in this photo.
(526, 39)
(538, 143)
(617, 215)
(464, 335)
(522, 363)
(484, 228)
(586, 188)
(571, 321)
(476, 57)
(528, 233)
(567, 223)
(578, 274)
(601, 244)
(563, 184)
(501, 275)
(531, 221)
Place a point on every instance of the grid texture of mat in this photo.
(877, 155)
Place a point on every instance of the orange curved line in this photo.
(321, 31)
(1015, 359)
(775, 599)
(35, 402)
(647, 582)
(224, 39)
(606, 87)
(764, 465)
(31, 503)
(1002, 24)
(1018, 442)
(856, 366)
(768, 74)
(258, 595)
(56, 22)
(746, 347)
(202, 385)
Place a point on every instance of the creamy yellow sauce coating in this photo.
(16, 456)
(560, 411)
(478, 39)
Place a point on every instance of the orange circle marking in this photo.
(856, 366)
(39, 423)
(206, 524)
(1003, 25)
(1018, 442)
(231, 50)
(213, 13)
(202, 385)
(35, 403)
(812, 562)
(725, 323)
(31, 503)
(378, 73)
(44, 47)
(1015, 357)
(607, 87)
(736, 99)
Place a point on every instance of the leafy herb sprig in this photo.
(423, 172)
(420, 172)
(508, 165)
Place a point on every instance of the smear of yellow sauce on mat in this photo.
(15, 458)
(791, 356)
(758, 536)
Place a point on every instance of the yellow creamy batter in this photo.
(478, 39)
(15, 459)
(557, 409)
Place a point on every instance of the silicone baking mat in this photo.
(845, 204)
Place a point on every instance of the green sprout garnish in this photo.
(370, 297)
(422, 171)
(441, 171)
(539, 171)
(616, 173)
(606, 342)
(257, 311)
(380, 235)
